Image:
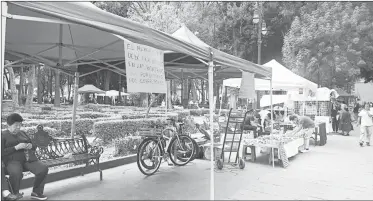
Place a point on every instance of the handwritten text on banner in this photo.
(144, 69)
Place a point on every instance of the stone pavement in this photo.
(339, 170)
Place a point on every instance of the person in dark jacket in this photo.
(15, 154)
(335, 120)
(345, 124)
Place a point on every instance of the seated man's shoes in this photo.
(12, 197)
(38, 196)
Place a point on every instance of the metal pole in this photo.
(211, 106)
(4, 11)
(75, 103)
(270, 91)
(260, 33)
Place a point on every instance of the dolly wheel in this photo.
(241, 163)
(219, 164)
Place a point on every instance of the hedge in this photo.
(126, 146)
(92, 115)
(109, 130)
(30, 131)
(183, 114)
(151, 115)
(199, 112)
(83, 126)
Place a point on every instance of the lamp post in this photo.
(262, 29)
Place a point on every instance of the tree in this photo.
(12, 85)
(30, 86)
(327, 40)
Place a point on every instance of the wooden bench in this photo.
(60, 151)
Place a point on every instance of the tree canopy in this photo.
(318, 40)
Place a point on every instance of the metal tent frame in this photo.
(215, 56)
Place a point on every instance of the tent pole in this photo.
(75, 103)
(4, 11)
(211, 106)
(271, 92)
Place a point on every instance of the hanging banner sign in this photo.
(144, 68)
(247, 89)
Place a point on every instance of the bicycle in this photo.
(163, 147)
(178, 128)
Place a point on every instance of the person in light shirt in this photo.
(366, 125)
(307, 125)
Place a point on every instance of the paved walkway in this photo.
(339, 170)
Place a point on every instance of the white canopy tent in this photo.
(265, 101)
(282, 79)
(113, 93)
(364, 91)
(89, 88)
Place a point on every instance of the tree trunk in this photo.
(57, 89)
(107, 85)
(69, 84)
(185, 93)
(144, 100)
(7, 79)
(20, 91)
(39, 86)
(203, 91)
(120, 89)
(50, 82)
(30, 86)
(153, 100)
(13, 86)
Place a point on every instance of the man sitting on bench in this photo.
(18, 153)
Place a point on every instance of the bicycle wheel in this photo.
(149, 156)
(196, 151)
(181, 152)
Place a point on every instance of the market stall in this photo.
(285, 145)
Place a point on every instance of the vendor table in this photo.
(285, 146)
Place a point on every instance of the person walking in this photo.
(366, 125)
(345, 124)
(334, 114)
(356, 111)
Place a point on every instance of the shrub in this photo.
(83, 126)
(222, 112)
(195, 112)
(151, 115)
(183, 114)
(46, 108)
(126, 146)
(109, 130)
(92, 115)
(30, 131)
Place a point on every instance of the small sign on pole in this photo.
(144, 68)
